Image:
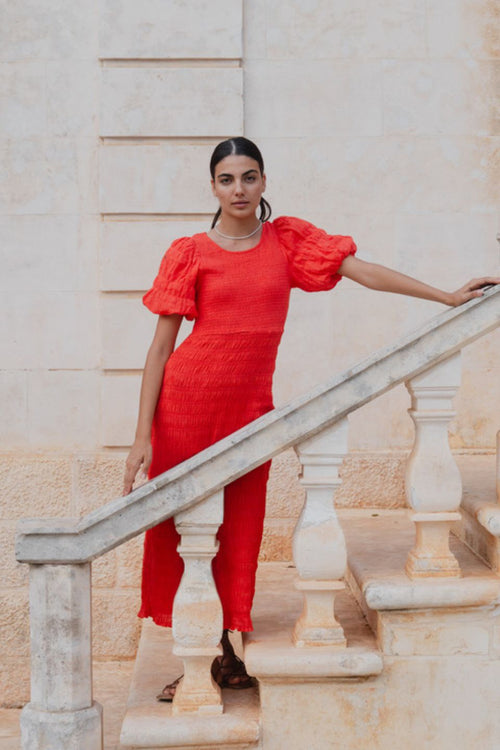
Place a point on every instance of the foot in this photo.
(228, 671)
(168, 692)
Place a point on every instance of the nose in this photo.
(238, 187)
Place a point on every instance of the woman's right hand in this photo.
(139, 458)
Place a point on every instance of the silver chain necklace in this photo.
(243, 237)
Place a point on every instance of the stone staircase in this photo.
(420, 667)
(384, 634)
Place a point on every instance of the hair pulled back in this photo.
(239, 146)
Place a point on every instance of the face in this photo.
(238, 185)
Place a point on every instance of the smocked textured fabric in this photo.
(219, 379)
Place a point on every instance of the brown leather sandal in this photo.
(167, 696)
(229, 671)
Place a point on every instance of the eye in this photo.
(224, 180)
(251, 178)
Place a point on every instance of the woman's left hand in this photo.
(473, 288)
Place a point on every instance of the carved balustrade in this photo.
(319, 550)
(433, 482)
(62, 714)
(197, 612)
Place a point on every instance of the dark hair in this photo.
(239, 146)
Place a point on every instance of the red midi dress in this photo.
(219, 379)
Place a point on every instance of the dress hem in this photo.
(165, 621)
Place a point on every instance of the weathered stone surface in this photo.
(148, 721)
(129, 558)
(64, 409)
(98, 479)
(47, 175)
(120, 399)
(377, 546)
(471, 29)
(477, 422)
(72, 89)
(156, 178)
(131, 251)
(434, 633)
(56, 30)
(25, 264)
(152, 101)
(372, 481)
(277, 539)
(50, 330)
(457, 688)
(285, 496)
(357, 85)
(15, 673)
(447, 235)
(14, 399)
(104, 570)
(119, 353)
(14, 622)
(146, 30)
(60, 609)
(34, 486)
(341, 30)
(23, 110)
(356, 162)
(68, 730)
(13, 573)
(115, 626)
(431, 97)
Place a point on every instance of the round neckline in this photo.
(237, 252)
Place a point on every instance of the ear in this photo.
(263, 182)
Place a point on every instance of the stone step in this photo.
(270, 653)
(480, 526)
(378, 543)
(150, 724)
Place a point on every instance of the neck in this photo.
(237, 227)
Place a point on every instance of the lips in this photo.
(240, 204)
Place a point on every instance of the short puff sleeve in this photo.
(174, 289)
(314, 257)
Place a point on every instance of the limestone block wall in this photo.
(380, 120)
(372, 121)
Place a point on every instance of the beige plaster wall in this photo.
(372, 123)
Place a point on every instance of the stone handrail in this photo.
(71, 541)
(62, 714)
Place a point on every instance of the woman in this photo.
(235, 281)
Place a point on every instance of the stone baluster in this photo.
(197, 612)
(319, 549)
(433, 482)
(61, 714)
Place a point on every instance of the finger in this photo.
(128, 480)
(486, 281)
(145, 467)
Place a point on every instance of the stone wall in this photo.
(372, 121)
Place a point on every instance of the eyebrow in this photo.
(227, 174)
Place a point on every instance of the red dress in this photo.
(219, 379)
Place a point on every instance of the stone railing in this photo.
(62, 714)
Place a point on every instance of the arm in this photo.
(158, 354)
(385, 279)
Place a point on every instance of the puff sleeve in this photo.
(174, 289)
(314, 257)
